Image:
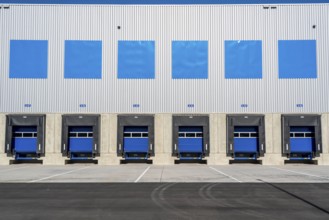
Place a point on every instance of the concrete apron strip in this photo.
(60, 174)
(305, 174)
(224, 174)
(17, 168)
(142, 174)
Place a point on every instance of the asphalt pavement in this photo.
(164, 201)
(142, 191)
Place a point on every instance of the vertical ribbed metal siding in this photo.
(215, 23)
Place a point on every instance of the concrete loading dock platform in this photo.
(216, 139)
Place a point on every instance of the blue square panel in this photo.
(190, 59)
(243, 59)
(28, 59)
(83, 59)
(297, 59)
(136, 59)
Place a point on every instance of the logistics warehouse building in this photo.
(212, 80)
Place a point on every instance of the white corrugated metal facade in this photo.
(163, 24)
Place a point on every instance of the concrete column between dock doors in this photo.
(53, 154)
(108, 151)
(163, 140)
(4, 160)
(217, 156)
(324, 156)
(273, 154)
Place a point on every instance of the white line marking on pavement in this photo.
(142, 174)
(306, 174)
(60, 174)
(231, 177)
(17, 168)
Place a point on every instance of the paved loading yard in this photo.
(33, 173)
(184, 191)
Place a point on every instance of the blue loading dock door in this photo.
(136, 142)
(246, 142)
(190, 142)
(25, 142)
(25, 136)
(301, 136)
(245, 136)
(81, 136)
(80, 144)
(302, 142)
(190, 139)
